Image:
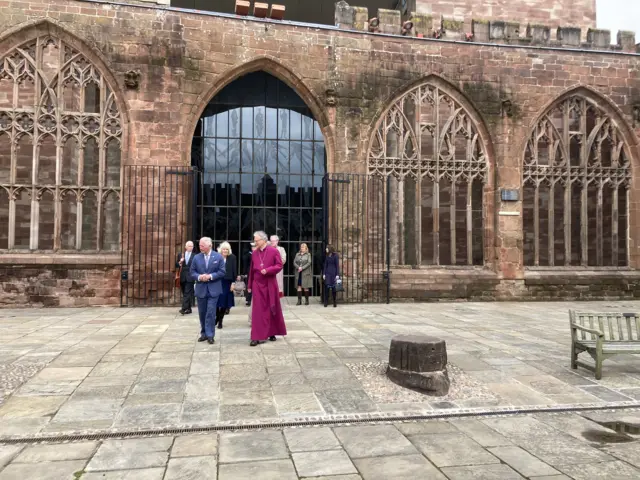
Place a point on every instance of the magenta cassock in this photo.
(266, 312)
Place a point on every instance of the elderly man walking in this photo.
(207, 269)
(267, 320)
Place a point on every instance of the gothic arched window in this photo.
(60, 151)
(576, 184)
(430, 146)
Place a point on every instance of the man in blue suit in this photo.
(207, 269)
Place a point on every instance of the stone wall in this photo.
(75, 281)
(434, 285)
(346, 77)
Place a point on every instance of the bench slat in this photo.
(620, 333)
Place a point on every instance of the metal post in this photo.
(388, 237)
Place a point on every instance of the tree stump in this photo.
(419, 362)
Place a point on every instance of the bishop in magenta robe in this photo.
(267, 319)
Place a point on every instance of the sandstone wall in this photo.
(346, 77)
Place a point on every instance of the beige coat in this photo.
(304, 260)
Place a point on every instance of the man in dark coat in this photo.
(186, 285)
(246, 270)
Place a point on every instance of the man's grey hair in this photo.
(261, 235)
(207, 241)
(188, 243)
(275, 238)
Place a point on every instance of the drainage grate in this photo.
(339, 420)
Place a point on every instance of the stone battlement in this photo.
(487, 31)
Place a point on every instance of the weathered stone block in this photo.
(260, 9)
(504, 30)
(389, 21)
(599, 38)
(242, 7)
(360, 18)
(344, 15)
(480, 30)
(569, 36)
(422, 24)
(277, 12)
(538, 34)
(627, 40)
(419, 362)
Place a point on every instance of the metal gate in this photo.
(356, 225)
(156, 222)
(163, 208)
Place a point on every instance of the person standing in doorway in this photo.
(275, 240)
(186, 284)
(330, 273)
(304, 273)
(226, 300)
(207, 270)
(267, 320)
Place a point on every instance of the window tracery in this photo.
(430, 146)
(576, 184)
(60, 150)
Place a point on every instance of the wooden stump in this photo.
(419, 362)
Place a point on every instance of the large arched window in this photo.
(429, 145)
(60, 151)
(262, 160)
(576, 183)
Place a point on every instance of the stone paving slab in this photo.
(65, 370)
(410, 450)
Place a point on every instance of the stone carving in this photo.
(507, 107)
(330, 97)
(132, 79)
(419, 362)
(636, 116)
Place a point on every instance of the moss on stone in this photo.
(453, 25)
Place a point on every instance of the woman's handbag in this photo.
(339, 287)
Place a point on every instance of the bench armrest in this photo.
(588, 330)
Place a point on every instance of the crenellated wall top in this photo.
(439, 26)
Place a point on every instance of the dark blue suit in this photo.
(207, 292)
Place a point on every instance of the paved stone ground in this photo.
(541, 446)
(123, 369)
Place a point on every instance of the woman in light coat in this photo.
(304, 275)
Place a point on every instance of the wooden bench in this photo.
(603, 335)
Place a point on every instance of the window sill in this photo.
(34, 258)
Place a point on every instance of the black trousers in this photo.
(187, 295)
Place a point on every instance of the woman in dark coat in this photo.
(304, 275)
(330, 274)
(226, 300)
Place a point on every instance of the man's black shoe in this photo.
(210, 340)
(272, 338)
(202, 338)
(182, 312)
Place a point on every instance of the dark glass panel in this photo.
(258, 148)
